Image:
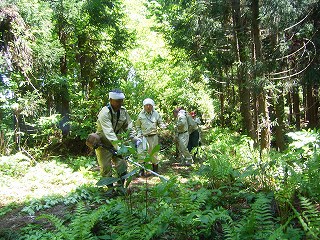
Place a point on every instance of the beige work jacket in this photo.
(147, 123)
(181, 122)
(109, 126)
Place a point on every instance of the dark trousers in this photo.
(193, 140)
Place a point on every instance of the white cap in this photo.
(182, 112)
(148, 101)
(116, 95)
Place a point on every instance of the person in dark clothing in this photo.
(194, 134)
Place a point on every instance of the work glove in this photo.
(163, 126)
(138, 142)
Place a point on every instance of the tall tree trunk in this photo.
(312, 82)
(279, 128)
(312, 106)
(296, 107)
(304, 102)
(82, 59)
(256, 114)
(63, 104)
(17, 131)
(244, 90)
(221, 97)
(264, 122)
(289, 103)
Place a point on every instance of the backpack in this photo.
(192, 125)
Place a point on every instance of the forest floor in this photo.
(15, 219)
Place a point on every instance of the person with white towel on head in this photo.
(147, 124)
(113, 119)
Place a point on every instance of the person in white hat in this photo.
(147, 124)
(113, 119)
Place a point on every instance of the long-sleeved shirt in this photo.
(147, 123)
(109, 125)
(181, 122)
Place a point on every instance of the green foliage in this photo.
(229, 207)
(83, 120)
(80, 163)
(257, 223)
(7, 209)
(83, 193)
(228, 156)
(168, 214)
(80, 226)
(285, 174)
(8, 235)
(218, 171)
(302, 161)
(310, 218)
(45, 45)
(57, 33)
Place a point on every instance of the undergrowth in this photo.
(233, 193)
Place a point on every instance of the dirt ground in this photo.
(15, 219)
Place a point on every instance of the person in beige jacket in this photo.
(182, 136)
(113, 119)
(147, 124)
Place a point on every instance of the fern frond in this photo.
(162, 222)
(207, 220)
(257, 223)
(84, 221)
(311, 216)
(285, 231)
(80, 226)
(128, 224)
(61, 230)
(232, 229)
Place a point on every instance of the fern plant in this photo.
(257, 223)
(80, 226)
(309, 218)
(313, 174)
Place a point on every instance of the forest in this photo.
(249, 69)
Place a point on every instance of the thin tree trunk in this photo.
(221, 97)
(63, 104)
(264, 122)
(222, 109)
(296, 107)
(290, 102)
(17, 131)
(312, 105)
(256, 115)
(304, 102)
(279, 128)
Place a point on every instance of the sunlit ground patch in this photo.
(37, 181)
